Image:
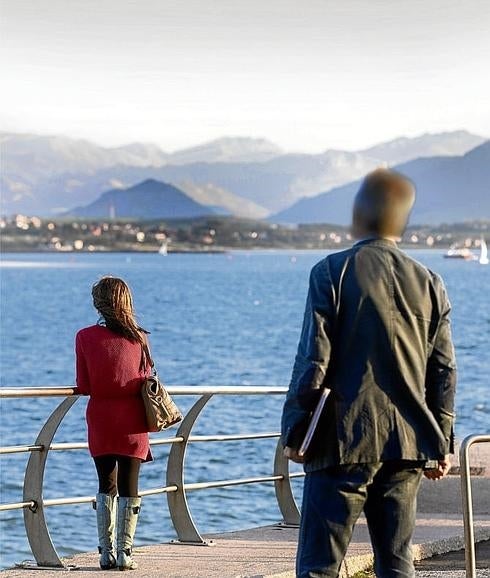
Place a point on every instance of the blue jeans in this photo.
(334, 498)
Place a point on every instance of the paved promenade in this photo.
(268, 552)
(452, 565)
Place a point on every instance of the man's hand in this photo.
(443, 467)
(292, 455)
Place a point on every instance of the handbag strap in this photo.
(146, 352)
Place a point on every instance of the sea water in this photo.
(217, 319)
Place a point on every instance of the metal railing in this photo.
(469, 529)
(176, 489)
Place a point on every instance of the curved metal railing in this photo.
(176, 489)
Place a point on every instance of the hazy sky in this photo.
(307, 74)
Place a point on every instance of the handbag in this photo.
(161, 410)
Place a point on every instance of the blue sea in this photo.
(222, 319)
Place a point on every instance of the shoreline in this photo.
(205, 251)
(212, 235)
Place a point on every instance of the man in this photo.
(376, 332)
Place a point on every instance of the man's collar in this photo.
(382, 241)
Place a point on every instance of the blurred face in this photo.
(382, 206)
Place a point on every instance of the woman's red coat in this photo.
(108, 370)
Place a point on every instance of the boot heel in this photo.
(125, 561)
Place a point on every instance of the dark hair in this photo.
(382, 205)
(113, 300)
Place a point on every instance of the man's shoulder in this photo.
(332, 264)
(401, 256)
(420, 269)
(332, 260)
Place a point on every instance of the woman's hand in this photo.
(443, 467)
(79, 391)
(292, 454)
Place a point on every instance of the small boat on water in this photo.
(163, 249)
(483, 260)
(455, 252)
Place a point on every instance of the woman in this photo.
(112, 360)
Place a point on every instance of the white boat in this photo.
(163, 249)
(456, 252)
(483, 252)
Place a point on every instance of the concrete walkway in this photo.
(455, 561)
(266, 552)
(269, 552)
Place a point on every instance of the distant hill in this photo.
(449, 189)
(147, 200)
(212, 195)
(227, 150)
(47, 175)
(404, 149)
(37, 155)
(57, 154)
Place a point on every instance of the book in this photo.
(315, 418)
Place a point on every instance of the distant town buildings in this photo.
(32, 233)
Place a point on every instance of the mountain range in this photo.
(247, 177)
(147, 200)
(449, 189)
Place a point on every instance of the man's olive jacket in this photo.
(376, 332)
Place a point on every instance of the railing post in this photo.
(469, 530)
(35, 523)
(178, 506)
(284, 492)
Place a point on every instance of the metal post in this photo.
(177, 501)
(469, 531)
(284, 492)
(35, 523)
